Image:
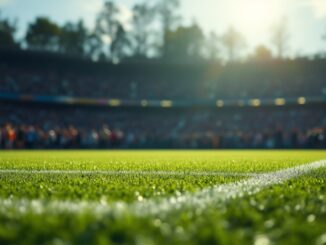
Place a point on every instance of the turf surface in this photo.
(228, 161)
(290, 213)
(105, 187)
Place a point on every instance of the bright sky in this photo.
(254, 18)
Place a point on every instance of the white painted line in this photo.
(219, 194)
(200, 200)
(125, 172)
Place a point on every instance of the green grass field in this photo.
(162, 197)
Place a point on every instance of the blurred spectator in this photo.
(47, 126)
(68, 127)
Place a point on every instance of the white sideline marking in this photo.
(161, 207)
(125, 172)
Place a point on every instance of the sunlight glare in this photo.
(254, 17)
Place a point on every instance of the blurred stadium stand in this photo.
(54, 101)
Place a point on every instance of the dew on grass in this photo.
(261, 240)
(157, 222)
(321, 240)
(269, 223)
(311, 218)
(297, 207)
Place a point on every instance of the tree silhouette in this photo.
(212, 49)
(169, 18)
(7, 32)
(324, 36)
(43, 34)
(233, 42)
(143, 34)
(94, 46)
(107, 24)
(73, 38)
(185, 43)
(120, 45)
(280, 38)
(262, 53)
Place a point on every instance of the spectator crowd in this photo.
(34, 126)
(42, 127)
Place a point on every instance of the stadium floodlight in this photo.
(166, 103)
(220, 103)
(86, 101)
(114, 102)
(65, 100)
(241, 103)
(280, 102)
(255, 102)
(144, 103)
(302, 100)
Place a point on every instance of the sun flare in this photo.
(255, 16)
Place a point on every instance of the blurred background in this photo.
(162, 74)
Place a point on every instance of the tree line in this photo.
(155, 30)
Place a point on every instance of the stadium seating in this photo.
(241, 82)
(128, 106)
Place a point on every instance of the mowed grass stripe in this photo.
(181, 161)
(94, 187)
(162, 206)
